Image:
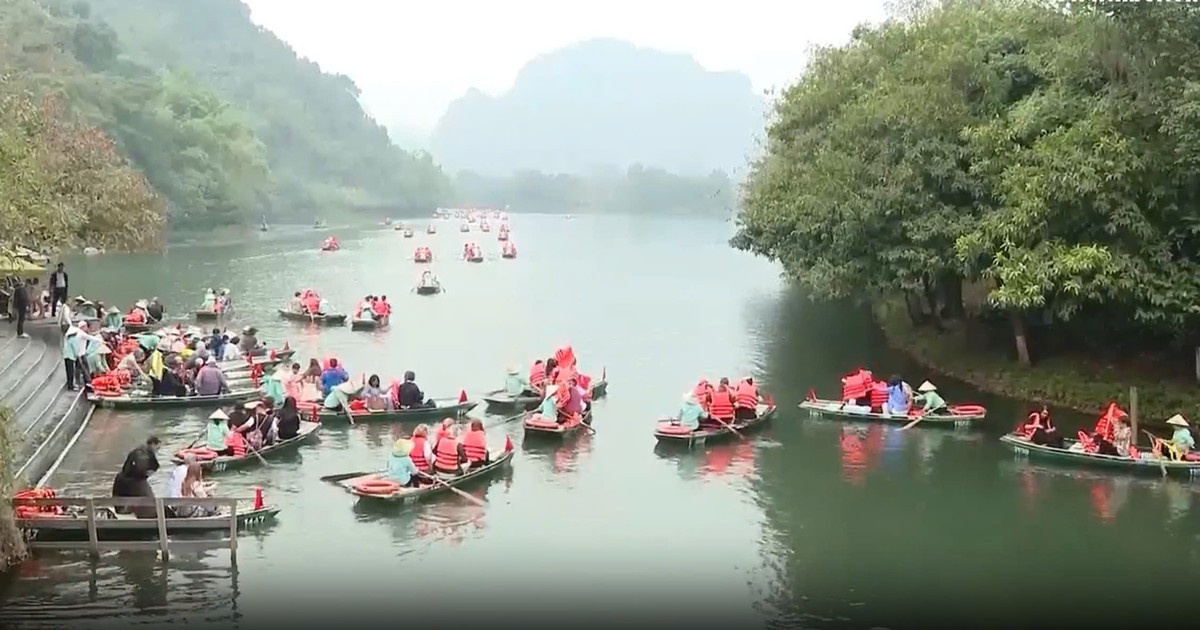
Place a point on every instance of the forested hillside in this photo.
(638, 190)
(1045, 153)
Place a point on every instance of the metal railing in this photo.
(221, 522)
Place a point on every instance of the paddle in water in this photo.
(1154, 440)
(912, 424)
(472, 499)
(730, 427)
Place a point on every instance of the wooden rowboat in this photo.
(63, 528)
(264, 360)
(367, 324)
(135, 329)
(1147, 462)
(500, 400)
(669, 431)
(956, 415)
(206, 315)
(223, 462)
(500, 459)
(477, 259)
(154, 402)
(325, 416)
(326, 319)
(539, 426)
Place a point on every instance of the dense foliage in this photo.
(639, 190)
(1045, 151)
(322, 150)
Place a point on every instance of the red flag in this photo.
(507, 444)
(258, 498)
(462, 396)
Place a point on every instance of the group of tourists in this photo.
(423, 254)
(215, 302)
(331, 244)
(708, 407)
(895, 397)
(375, 308)
(566, 394)
(169, 362)
(1112, 436)
(308, 302)
(472, 252)
(428, 280)
(450, 452)
(252, 426)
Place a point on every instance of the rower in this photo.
(249, 341)
(1182, 439)
(216, 432)
(400, 466)
(933, 402)
(155, 310)
(747, 399)
(721, 405)
(549, 408)
(449, 456)
(690, 412)
(474, 443)
(296, 305)
(515, 385)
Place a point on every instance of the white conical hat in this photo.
(927, 387)
(218, 415)
(1177, 420)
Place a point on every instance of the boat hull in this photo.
(835, 409)
(159, 402)
(329, 319)
(423, 414)
(1146, 464)
(500, 460)
(367, 324)
(64, 528)
(434, 290)
(207, 316)
(668, 433)
(308, 430)
(553, 429)
(499, 400)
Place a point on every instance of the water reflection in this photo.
(562, 454)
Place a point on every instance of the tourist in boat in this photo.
(422, 451)
(721, 406)
(235, 442)
(474, 443)
(703, 392)
(289, 380)
(1182, 438)
(296, 304)
(1105, 425)
(400, 466)
(549, 407)
(194, 488)
(216, 344)
(232, 348)
(132, 362)
(333, 376)
(258, 424)
(537, 376)
(898, 401)
(272, 384)
(382, 308)
(516, 385)
(1039, 428)
(551, 372)
(313, 304)
(365, 309)
(690, 412)
(155, 310)
(410, 395)
(1122, 436)
(175, 480)
(442, 428)
(133, 480)
(929, 398)
(574, 398)
(216, 432)
(374, 396)
(249, 341)
(210, 380)
(449, 456)
(287, 419)
(746, 400)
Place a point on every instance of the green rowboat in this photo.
(1147, 462)
(499, 458)
(958, 416)
(155, 402)
(500, 400)
(326, 319)
(421, 414)
(670, 432)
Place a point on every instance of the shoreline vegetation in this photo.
(12, 544)
(1013, 184)
(1063, 382)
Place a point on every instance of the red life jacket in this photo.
(562, 394)
(747, 396)
(235, 441)
(445, 455)
(1089, 446)
(855, 385)
(418, 453)
(537, 374)
(879, 395)
(475, 444)
(135, 317)
(721, 405)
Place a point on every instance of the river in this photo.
(808, 523)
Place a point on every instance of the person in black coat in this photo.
(20, 300)
(288, 419)
(134, 478)
(411, 396)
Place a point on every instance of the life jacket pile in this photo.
(29, 510)
(135, 316)
(537, 374)
(879, 396)
(856, 385)
(111, 383)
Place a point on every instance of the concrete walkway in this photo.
(33, 385)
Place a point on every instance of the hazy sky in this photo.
(412, 58)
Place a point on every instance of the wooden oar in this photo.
(1153, 439)
(344, 476)
(472, 499)
(730, 427)
(914, 422)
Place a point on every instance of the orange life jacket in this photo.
(445, 455)
(721, 404)
(747, 396)
(537, 374)
(135, 317)
(855, 385)
(475, 444)
(312, 303)
(879, 395)
(235, 441)
(565, 357)
(418, 453)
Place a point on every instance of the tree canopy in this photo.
(1047, 150)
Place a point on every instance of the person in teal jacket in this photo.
(112, 318)
(516, 384)
(549, 408)
(217, 431)
(272, 387)
(691, 412)
(400, 467)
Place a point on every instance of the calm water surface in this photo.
(809, 523)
